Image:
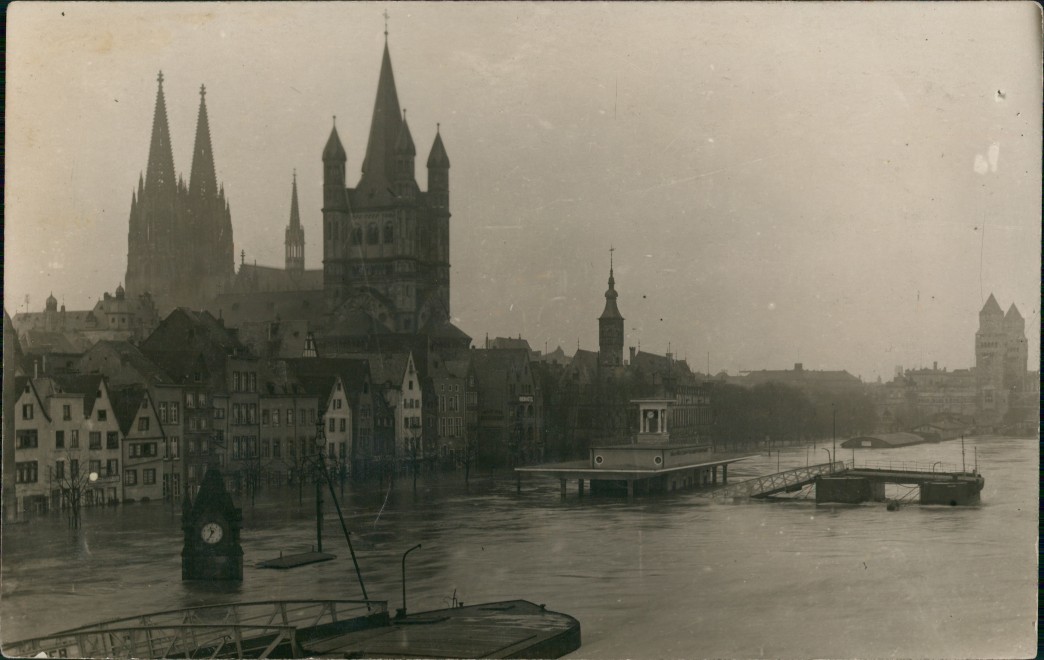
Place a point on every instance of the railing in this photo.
(905, 466)
(254, 629)
(773, 483)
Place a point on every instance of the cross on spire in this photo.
(611, 250)
(386, 25)
(203, 90)
(159, 78)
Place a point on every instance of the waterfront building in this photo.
(1001, 361)
(147, 463)
(508, 424)
(124, 365)
(65, 431)
(219, 379)
(179, 244)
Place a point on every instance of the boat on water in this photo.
(318, 629)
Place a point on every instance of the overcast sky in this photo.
(840, 185)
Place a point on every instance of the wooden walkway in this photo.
(771, 484)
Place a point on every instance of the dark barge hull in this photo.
(316, 628)
(507, 629)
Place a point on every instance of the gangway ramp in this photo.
(771, 484)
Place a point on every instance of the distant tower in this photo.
(386, 242)
(153, 215)
(179, 245)
(1016, 351)
(610, 326)
(295, 242)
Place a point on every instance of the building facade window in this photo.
(103, 415)
(94, 440)
(143, 423)
(112, 440)
(26, 472)
(27, 411)
(59, 439)
(130, 477)
(148, 476)
(27, 439)
(112, 467)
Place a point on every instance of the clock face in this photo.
(211, 532)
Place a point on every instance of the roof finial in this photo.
(203, 91)
(159, 78)
(404, 114)
(386, 25)
(611, 250)
(437, 127)
(295, 175)
(335, 121)
(242, 257)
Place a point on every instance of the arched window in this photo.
(389, 232)
(371, 234)
(356, 235)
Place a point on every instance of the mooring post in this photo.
(725, 473)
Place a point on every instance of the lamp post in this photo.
(829, 458)
(320, 443)
(833, 434)
(402, 612)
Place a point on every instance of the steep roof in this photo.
(404, 143)
(126, 402)
(160, 173)
(1013, 314)
(437, 157)
(379, 162)
(88, 386)
(130, 356)
(305, 302)
(334, 150)
(991, 307)
(203, 180)
(611, 311)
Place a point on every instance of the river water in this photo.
(671, 576)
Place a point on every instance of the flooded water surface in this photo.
(674, 576)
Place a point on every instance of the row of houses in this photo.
(136, 422)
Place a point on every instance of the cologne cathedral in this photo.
(179, 247)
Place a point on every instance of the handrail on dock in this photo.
(254, 629)
(774, 483)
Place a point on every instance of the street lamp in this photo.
(829, 458)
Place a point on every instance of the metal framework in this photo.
(788, 480)
(233, 630)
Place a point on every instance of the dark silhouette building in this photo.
(386, 242)
(179, 246)
(610, 327)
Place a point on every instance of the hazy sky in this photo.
(835, 184)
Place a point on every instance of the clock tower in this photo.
(211, 524)
(610, 326)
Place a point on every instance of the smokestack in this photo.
(633, 350)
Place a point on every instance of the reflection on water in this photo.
(672, 576)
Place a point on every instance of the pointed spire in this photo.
(378, 165)
(1013, 314)
(295, 214)
(160, 172)
(611, 311)
(404, 143)
(437, 157)
(991, 307)
(203, 180)
(334, 150)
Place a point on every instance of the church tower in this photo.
(207, 232)
(154, 210)
(179, 245)
(295, 242)
(385, 241)
(610, 326)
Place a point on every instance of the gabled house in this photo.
(146, 464)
